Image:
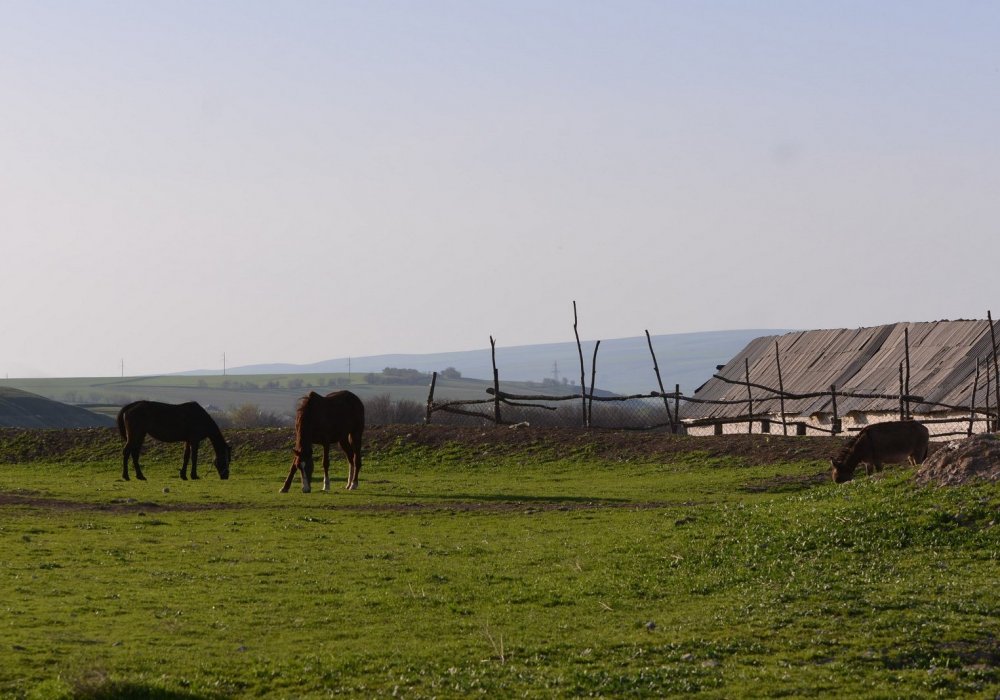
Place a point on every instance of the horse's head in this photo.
(222, 459)
(841, 472)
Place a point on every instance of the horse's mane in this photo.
(300, 411)
(849, 447)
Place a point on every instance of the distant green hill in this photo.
(21, 409)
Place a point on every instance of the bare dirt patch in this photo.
(126, 505)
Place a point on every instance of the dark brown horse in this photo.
(187, 422)
(322, 420)
(882, 443)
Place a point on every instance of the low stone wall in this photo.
(955, 426)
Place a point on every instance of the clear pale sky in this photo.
(292, 182)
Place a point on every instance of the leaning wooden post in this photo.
(989, 416)
(496, 382)
(906, 349)
(835, 423)
(659, 381)
(972, 405)
(675, 427)
(781, 389)
(902, 392)
(746, 360)
(593, 375)
(583, 371)
(996, 368)
(430, 398)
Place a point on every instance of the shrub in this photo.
(251, 415)
(382, 410)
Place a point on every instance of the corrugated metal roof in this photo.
(862, 360)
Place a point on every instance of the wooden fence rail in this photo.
(756, 404)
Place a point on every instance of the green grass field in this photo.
(455, 573)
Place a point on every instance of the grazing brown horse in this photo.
(882, 443)
(187, 422)
(322, 420)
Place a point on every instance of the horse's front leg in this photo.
(326, 467)
(187, 456)
(194, 460)
(288, 481)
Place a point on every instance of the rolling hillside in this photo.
(21, 409)
(624, 365)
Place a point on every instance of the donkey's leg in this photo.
(194, 459)
(326, 467)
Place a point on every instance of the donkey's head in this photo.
(842, 471)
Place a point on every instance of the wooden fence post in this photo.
(496, 382)
(659, 381)
(972, 404)
(902, 392)
(675, 427)
(746, 360)
(906, 348)
(989, 387)
(781, 389)
(835, 423)
(996, 368)
(583, 371)
(593, 375)
(430, 399)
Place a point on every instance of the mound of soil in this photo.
(963, 461)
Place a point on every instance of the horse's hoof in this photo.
(140, 477)
(282, 490)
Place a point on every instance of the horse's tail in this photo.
(121, 422)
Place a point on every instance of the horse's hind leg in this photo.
(132, 448)
(352, 446)
(184, 467)
(326, 467)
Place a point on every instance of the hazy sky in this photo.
(297, 181)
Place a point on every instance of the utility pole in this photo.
(223, 364)
(123, 367)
